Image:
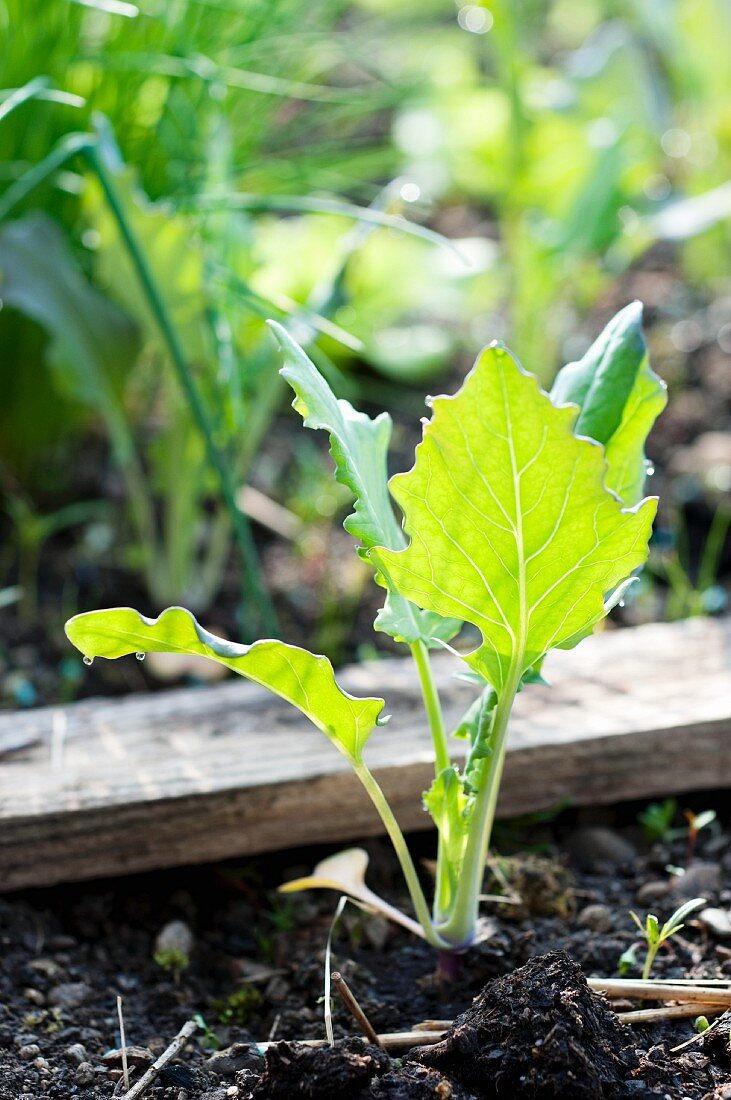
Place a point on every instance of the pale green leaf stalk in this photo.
(515, 520)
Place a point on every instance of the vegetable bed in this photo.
(255, 969)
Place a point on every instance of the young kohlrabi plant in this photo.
(522, 516)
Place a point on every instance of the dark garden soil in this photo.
(526, 1023)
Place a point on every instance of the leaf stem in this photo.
(459, 929)
(433, 706)
(420, 653)
(393, 829)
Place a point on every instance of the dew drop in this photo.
(621, 603)
(650, 471)
(88, 661)
(140, 656)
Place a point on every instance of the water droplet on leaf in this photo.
(621, 603)
(88, 660)
(650, 471)
(140, 656)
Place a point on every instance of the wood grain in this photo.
(193, 775)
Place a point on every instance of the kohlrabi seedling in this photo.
(522, 515)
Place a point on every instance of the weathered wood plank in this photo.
(193, 775)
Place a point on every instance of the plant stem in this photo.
(420, 653)
(432, 704)
(250, 562)
(459, 929)
(649, 960)
(393, 829)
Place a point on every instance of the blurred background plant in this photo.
(171, 174)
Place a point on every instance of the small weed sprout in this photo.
(655, 934)
(239, 1007)
(657, 820)
(172, 960)
(209, 1039)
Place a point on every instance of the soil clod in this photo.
(538, 1032)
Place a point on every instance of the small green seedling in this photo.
(172, 960)
(657, 820)
(657, 823)
(209, 1040)
(523, 515)
(701, 1024)
(656, 935)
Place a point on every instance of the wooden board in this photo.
(105, 787)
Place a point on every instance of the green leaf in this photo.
(359, 448)
(619, 397)
(476, 726)
(358, 445)
(675, 922)
(448, 806)
(303, 679)
(511, 526)
(93, 345)
(406, 623)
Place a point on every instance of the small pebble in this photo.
(175, 936)
(69, 994)
(228, 1062)
(594, 844)
(28, 1053)
(717, 921)
(596, 917)
(652, 891)
(136, 1056)
(76, 1053)
(700, 880)
(34, 996)
(84, 1074)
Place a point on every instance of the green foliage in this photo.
(510, 524)
(209, 1039)
(655, 934)
(657, 819)
(238, 1008)
(305, 681)
(620, 398)
(172, 960)
(511, 527)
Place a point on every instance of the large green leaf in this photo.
(93, 345)
(619, 397)
(359, 448)
(358, 445)
(511, 526)
(303, 679)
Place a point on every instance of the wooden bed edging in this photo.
(111, 786)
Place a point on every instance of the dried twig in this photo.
(395, 1040)
(175, 1047)
(695, 1038)
(123, 1044)
(349, 1000)
(669, 1012)
(433, 1025)
(661, 991)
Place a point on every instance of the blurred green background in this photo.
(400, 182)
